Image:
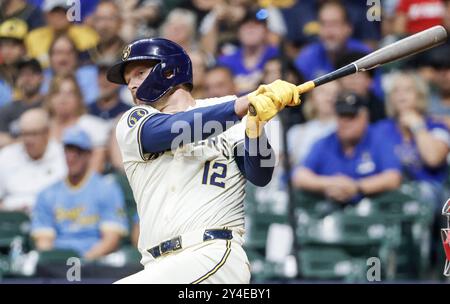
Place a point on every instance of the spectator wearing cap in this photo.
(65, 60)
(247, 62)
(353, 162)
(83, 212)
(12, 50)
(107, 22)
(28, 83)
(31, 164)
(66, 107)
(421, 143)
(23, 10)
(39, 40)
(361, 84)
(108, 105)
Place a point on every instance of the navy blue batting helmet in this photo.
(173, 67)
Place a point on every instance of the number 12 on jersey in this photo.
(219, 172)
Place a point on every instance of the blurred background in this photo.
(363, 163)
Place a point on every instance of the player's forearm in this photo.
(163, 132)
(386, 181)
(259, 160)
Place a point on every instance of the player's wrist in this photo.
(241, 106)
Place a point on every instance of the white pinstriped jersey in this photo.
(196, 186)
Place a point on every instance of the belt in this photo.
(176, 243)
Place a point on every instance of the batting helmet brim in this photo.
(115, 74)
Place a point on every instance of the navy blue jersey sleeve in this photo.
(256, 160)
(161, 131)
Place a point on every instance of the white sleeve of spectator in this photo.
(275, 22)
(442, 135)
(207, 23)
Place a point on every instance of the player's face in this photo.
(135, 74)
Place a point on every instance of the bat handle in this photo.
(306, 87)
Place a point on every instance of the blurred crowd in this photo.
(362, 135)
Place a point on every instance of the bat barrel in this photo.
(403, 48)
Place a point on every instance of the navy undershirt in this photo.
(254, 162)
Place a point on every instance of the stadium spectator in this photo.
(199, 64)
(107, 22)
(85, 8)
(335, 32)
(31, 164)
(12, 50)
(218, 29)
(417, 15)
(421, 143)
(64, 60)
(39, 40)
(319, 110)
(20, 9)
(353, 162)
(108, 105)
(140, 18)
(66, 107)
(28, 83)
(248, 61)
(180, 27)
(439, 102)
(219, 82)
(361, 83)
(84, 211)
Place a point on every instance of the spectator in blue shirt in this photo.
(84, 212)
(335, 33)
(247, 63)
(353, 162)
(421, 143)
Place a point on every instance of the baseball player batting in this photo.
(190, 193)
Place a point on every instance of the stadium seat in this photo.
(13, 224)
(56, 256)
(331, 263)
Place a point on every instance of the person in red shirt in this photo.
(417, 15)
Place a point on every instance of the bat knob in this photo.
(252, 110)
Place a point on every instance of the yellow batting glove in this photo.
(254, 126)
(263, 106)
(281, 92)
